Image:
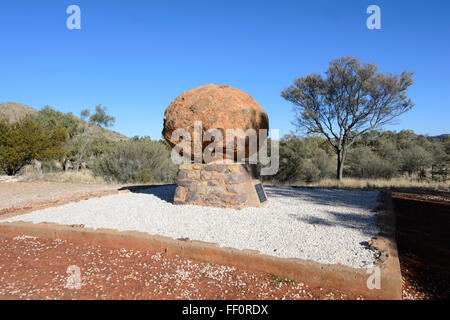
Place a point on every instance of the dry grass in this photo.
(82, 176)
(402, 182)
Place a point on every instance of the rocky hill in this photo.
(15, 111)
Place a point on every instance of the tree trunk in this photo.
(340, 164)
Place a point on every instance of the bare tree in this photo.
(352, 99)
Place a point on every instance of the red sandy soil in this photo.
(423, 239)
(36, 268)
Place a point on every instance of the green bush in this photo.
(50, 119)
(136, 160)
(363, 163)
(374, 155)
(26, 140)
(415, 160)
(303, 159)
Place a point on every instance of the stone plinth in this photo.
(226, 185)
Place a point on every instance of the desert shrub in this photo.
(415, 160)
(85, 148)
(303, 159)
(323, 161)
(48, 166)
(405, 139)
(99, 145)
(309, 172)
(291, 158)
(374, 155)
(363, 163)
(387, 150)
(136, 160)
(26, 140)
(50, 119)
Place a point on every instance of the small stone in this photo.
(191, 196)
(210, 199)
(205, 175)
(215, 167)
(201, 187)
(190, 184)
(180, 194)
(215, 190)
(235, 178)
(189, 174)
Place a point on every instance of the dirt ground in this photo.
(37, 268)
(423, 239)
(22, 194)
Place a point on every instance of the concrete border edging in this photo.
(313, 273)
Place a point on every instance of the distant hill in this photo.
(15, 111)
(441, 136)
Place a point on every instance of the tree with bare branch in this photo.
(351, 99)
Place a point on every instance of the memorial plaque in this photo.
(260, 192)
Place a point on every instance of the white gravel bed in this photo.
(325, 225)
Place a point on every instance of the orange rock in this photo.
(217, 107)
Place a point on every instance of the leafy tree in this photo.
(50, 118)
(84, 114)
(302, 159)
(26, 140)
(416, 159)
(352, 99)
(101, 118)
(405, 139)
(291, 158)
(446, 143)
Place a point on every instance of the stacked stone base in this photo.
(220, 185)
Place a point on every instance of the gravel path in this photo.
(325, 225)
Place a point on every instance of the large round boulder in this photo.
(217, 107)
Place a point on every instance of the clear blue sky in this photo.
(135, 57)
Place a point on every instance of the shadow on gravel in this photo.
(163, 192)
(349, 221)
(339, 197)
